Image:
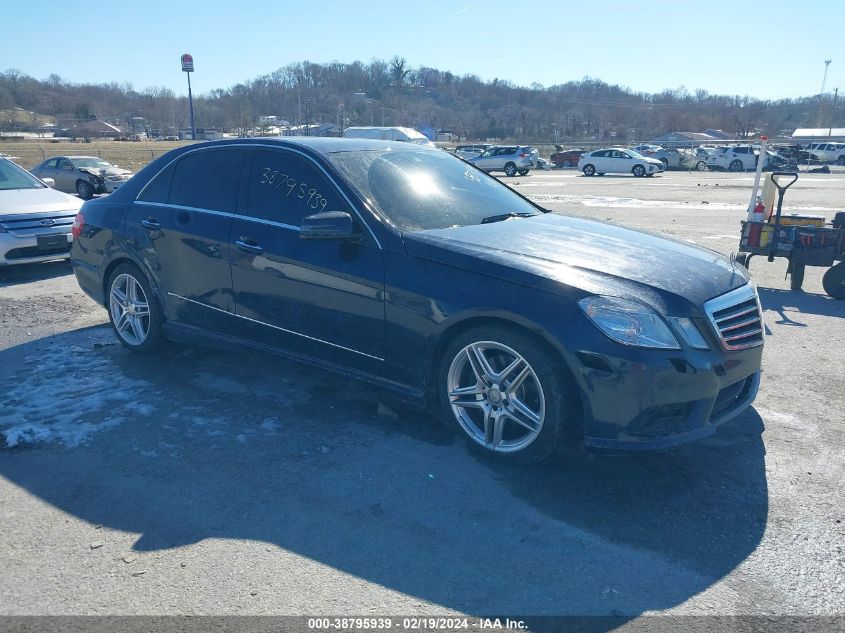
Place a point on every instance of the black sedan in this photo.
(410, 269)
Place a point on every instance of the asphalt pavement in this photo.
(206, 482)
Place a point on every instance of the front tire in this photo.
(508, 394)
(701, 165)
(665, 162)
(589, 170)
(841, 161)
(638, 171)
(510, 170)
(84, 189)
(523, 172)
(134, 313)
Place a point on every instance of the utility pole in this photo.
(821, 91)
(835, 94)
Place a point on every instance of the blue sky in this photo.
(648, 45)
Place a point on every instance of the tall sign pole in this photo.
(188, 67)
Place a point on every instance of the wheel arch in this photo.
(460, 324)
(124, 258)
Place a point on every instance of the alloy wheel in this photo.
(130, 309)
(496, 396)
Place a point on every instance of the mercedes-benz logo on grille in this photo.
(48, 222)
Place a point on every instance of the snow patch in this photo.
(66, 394)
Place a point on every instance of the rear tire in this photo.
(744, 259)
(701, 165)
(736, 165)
(589, 170)
(567, 163)
(841, 161)
(134, 313)
(833, 281)
(510, 170)
(546, 398)
(522, 172)
(665, 162)
(796, 275)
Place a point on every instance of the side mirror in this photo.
(329, 225)
(49, 182)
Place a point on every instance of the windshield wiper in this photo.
(505, 216)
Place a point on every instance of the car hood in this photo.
(557, 253)
(41, 200)
(108, 171)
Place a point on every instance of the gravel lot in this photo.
(202, 482)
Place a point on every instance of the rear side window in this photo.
(208, 180)
(158, 189)
(286, 187)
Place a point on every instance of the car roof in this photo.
(321, 144)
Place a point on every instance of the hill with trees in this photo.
(391, 92)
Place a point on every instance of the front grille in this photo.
(27, 225)
(736, 317)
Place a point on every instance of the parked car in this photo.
(35, 220)
(735, 158)
(511, 159)
(618, 161)
(840, 156)
(471, 151)
(567, 158)
(407, 268)
(82, 175)
(694, 160)
(671, 158)
(825, 152)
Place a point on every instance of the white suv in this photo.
(826, 152)
(739, 158)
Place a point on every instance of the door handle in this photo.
(249, 246)
(150, 223)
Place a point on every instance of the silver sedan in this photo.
(82, 175)
(35, 220)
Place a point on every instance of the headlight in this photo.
(689, 332)
(628, 322)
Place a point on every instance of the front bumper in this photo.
(28, 250)
(110, 186)
(643, 399)
(684, 422)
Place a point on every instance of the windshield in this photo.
(14, 177)
(634, 154)
(91, 163)
(417, 190)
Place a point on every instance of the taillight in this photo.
(523, 155)
(78, 225)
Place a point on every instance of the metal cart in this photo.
(802, 245)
